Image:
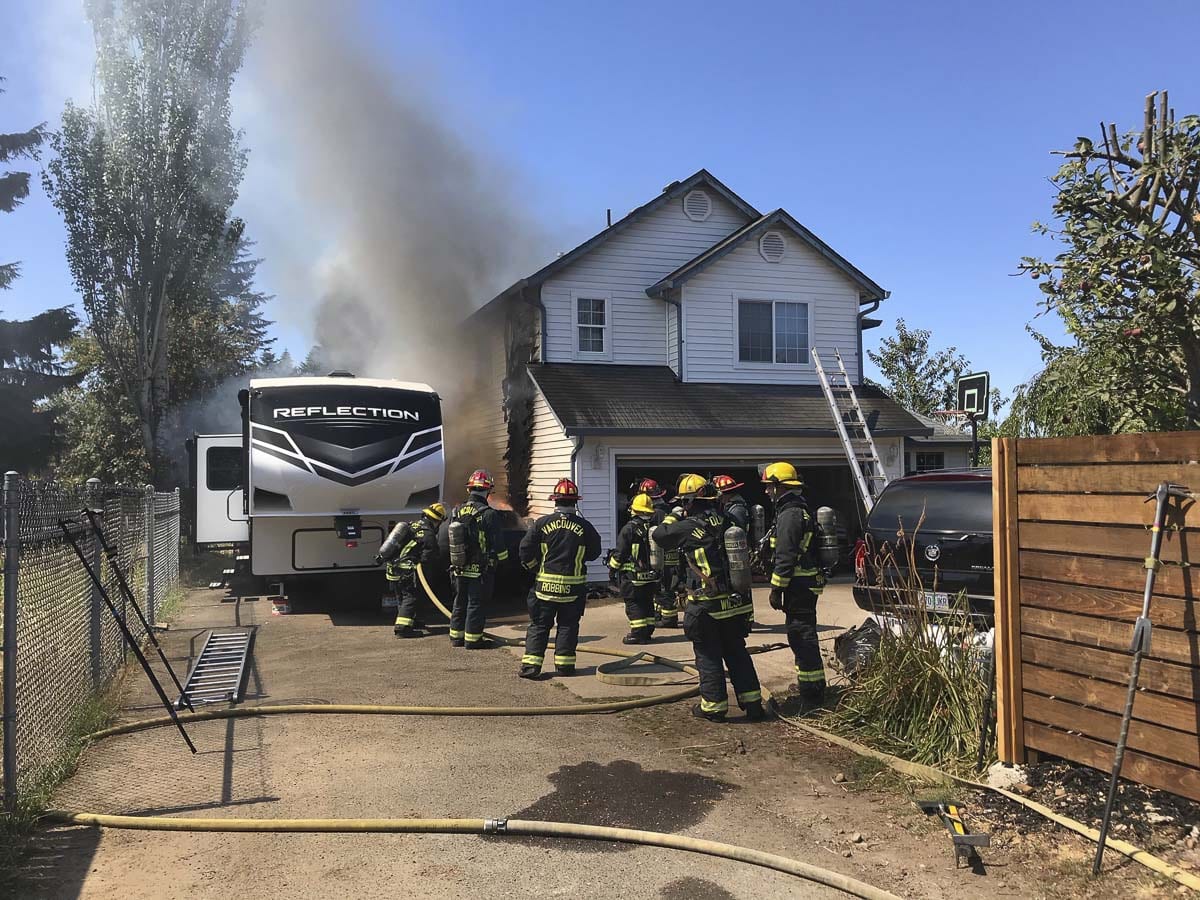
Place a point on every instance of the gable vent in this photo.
(772, 246)
(697, 206)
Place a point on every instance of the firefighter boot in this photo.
(699, 713)
(755, 712)
(528, 671)
(407, 631)
(812, 698)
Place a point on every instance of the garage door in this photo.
(827, 482)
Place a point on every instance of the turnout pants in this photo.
(468, 618)
(800, 611)
(543, 614)
(666, 605)
(405, 590)
(721, 643)
(640, 607)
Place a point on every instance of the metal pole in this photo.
(150, 526)
(974, 441)
(131, 600)
(12, 565)
(1141, 645)
(96, 634)
(130, 641)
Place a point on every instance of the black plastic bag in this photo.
(855, 648)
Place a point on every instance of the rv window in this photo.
(223, 468)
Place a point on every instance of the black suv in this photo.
(952, 550)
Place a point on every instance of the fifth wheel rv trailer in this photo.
(321, 467)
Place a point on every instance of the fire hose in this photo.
(494, 827)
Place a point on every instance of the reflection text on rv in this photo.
(352, 412)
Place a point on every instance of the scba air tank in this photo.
(458, 545)
(657, 563)
(737, 551)
(758, 523)
(827, 537)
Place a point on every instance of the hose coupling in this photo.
(495, 826)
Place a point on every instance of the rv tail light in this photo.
(351, 544)
(860, 560)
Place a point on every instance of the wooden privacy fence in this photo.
(1071, 538)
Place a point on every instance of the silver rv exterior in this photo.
(329, 462)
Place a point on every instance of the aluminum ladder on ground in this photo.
(217, 675)
(859, 446)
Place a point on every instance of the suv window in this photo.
(964, 506)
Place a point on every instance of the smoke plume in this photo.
(384, 228)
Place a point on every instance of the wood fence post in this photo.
(1010, 726)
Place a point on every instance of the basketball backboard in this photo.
(973, 393)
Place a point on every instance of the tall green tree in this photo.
(14, 185)
(31, 373)
(1125, 284)
(145, 180)
(918, 378)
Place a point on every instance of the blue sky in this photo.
(913, 138)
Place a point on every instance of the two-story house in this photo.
(676, 340)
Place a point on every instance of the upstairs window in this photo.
(773, 331)
(591, 321)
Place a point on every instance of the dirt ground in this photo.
(761, 786)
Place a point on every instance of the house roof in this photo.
(942, 433)
(869, 290)
(670, 192)
(647, 400)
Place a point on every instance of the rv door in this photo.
(220, 481)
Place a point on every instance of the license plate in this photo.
(936, 600)
(390, 602)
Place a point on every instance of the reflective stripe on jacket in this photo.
(791, 544)
(632, 556)
(417, 543)
(701, 539)
(559, 546)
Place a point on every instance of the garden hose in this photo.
(609, 672)
(496, 827)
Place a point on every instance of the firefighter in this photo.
(558, 547)
(733, 503)
(666, 606)
(637, 578)
(715, 617)
(796, 579)
(410, 544)
(480, 551)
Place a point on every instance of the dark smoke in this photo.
(395, 226)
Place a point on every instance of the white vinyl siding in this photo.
(621, 269)
(710, 301)
(550, 456)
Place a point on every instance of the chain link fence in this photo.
(61, 644)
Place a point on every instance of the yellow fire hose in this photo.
(928, 773)
(609, 672)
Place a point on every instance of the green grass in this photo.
(15, 830)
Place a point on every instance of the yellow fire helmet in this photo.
(782, 473)
(689, 484)
(642, 505)
(697, 487)
(435, 511)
